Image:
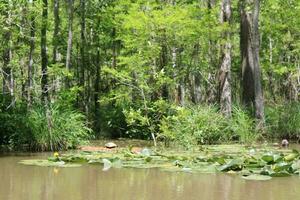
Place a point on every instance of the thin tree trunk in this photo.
(196, 78)
(212, 61)
(163, 65)
(8, 81)
(44, 56)
(270, 74)
(251, 78)
(56, 31)
(70, 39)
(97, 93)
(82, 54)
(225, 74)
(30, 64)
(196, 88)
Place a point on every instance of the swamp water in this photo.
(89, 182)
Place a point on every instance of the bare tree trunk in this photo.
(44, 56)
(225, 74)
(181, 92)
(21, 41)
(251, 78)
(213, 61)
(163, 64)
(97, 94)
(56, 31)
(196, 88)
(70, 39)
(7, 72)
(82, 54)
(30, 65)
(175, 95)
(195, 82)
(270, 74)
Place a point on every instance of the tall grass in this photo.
(55, 128)
(283, 121)
(242, 126)
(206, 125)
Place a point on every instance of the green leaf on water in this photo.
(268, 158)
(291, 157)
(235, 165)
(47, 163)
(257, 177)
(107, 164)
(115, 163)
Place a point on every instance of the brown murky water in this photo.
(20, 182)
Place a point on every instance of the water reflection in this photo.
(20, 182)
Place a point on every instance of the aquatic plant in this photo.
(251, 163)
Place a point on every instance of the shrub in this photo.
(144, 120)
(56, 128)
(205, 125)
(198, 125)
(12, 123)
(242, 126)
(283, 121)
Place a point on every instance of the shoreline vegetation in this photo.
(187, 72)
(257, 162)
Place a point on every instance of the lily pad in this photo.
(115, 163)
(268, 158)
(47, 163)
(257, 177)
(235, 165)
(291, 157)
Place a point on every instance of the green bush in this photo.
(283, 121)
(143, 120)
(13, 125)
(192, 126)
(56, 128)
(242, 126)
(205, 125)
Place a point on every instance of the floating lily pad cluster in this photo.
(251, 163)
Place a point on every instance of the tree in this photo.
(251, 73)
(44, 56)
(30, 63)
(70, 39)
(225, 68)
(56, 30)
(7, 71)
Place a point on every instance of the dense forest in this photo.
(185, 71)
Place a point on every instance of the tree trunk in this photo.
(270, 73)
(30, 64)
(44, 56)
(195, 77)
(8, 81)
(56, 31)
(97, 93)
(225, 74)
(82, 54)
(70, 39)
(251, 78)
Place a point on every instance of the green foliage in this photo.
(242, 126)
(197, 125)
(205, 125)
(56, 128)
(144, 121)
(130, 60)
(38, 129)
(254, 163)
(283, 121)
(13, 125)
